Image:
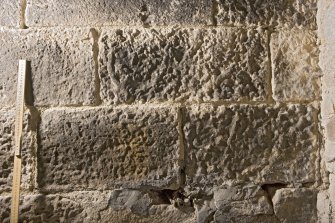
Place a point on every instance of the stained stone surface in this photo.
(295, 205)
(9, 13)
(245, 143)
(281, 13)
(126, 12)
(61, 69)
(295, 58)
(106, 148)
(7, 122)
(150, 65)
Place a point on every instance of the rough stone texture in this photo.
(90, 206)
(105, 148)
(9, 13)
(62, 67)
(280, 13)
(242, 204)
(296, 74)
(260, 144)
(7, 126)
(183, 64)
(126, 12)
(171, 111)
(295, 205)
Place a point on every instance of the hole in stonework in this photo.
(271, 189)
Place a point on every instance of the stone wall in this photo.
(169, 111)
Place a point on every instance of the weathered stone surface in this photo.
(295, 57)
(72, 207)
(250, 143)
(9, 13)
(7, 126)
(87, 207)
(105, 148)
(183, 64)
(126, 12)
(62, 67)
(242, 204)
(283, 13)
(295, 205)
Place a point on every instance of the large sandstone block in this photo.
(295, 205)
(9, 13)
(183, 64)
(107, 148)
(125, 12)
(257, 144)
(62, 67)
(295, 58)
(7, 128)
(282, 13)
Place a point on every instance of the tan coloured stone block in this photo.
(170, 64)
(100, 148)
(9, 13)
(125, 12)
(295, 58)
(259, 144)
(61, 61)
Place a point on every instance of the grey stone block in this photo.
(295, 205)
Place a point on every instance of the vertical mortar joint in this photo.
(215, 10)
(95, 51)
(23, 7)
(182, 152)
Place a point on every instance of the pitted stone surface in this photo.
(62, 67)
(295, 205)
(7, 126)
(183, 64)
(87, 207)
(105, 148)
(9, 13)
(282, 13)
(250, 143)
(71, 207)
(295, 58)
(125, 12)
